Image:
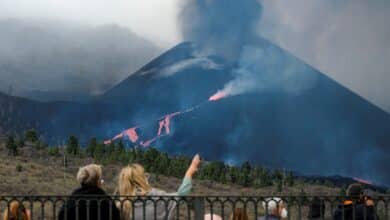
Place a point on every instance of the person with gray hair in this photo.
(274, 209)
(89, 200)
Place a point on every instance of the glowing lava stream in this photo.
(164, 123)
(217, 96)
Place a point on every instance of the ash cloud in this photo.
(229, 29)
(220, 27)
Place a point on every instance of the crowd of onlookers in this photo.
(133, 181)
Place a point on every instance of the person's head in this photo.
(275, 207)
(132, 181)
(90, 175)
(239, 214)
(355, 191)
(16, 211)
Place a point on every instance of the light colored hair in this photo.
(272, 204)
(90, 175)
(15, 211)
(132, 182)
(239, 214)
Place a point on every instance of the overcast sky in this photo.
(347, 39)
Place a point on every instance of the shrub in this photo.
(19, 167)
(54, 151)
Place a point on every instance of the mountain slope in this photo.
(313, 124)
(300, 120)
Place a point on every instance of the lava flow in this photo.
(164, 125)
(217, 96)
(366, 182)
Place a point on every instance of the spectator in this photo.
(357, 208)
(16, 211)
(316, 209)
(239, 214)
(90, 179)
(133, 182)
(275, 209)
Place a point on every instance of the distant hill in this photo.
(46, 55)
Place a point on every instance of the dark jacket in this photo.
(107, 206)
(316, 209)
(362, 211)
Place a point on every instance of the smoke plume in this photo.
(228, 29)
(220, 27)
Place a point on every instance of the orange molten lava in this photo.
(217, 96)
(164, 125)
(366, 182)
(132, 134)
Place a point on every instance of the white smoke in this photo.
(262, 68)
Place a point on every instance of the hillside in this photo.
(300, 120)
(42, 174)
(298, 125)
(63, 57)
(40, 171)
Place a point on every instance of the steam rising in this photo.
(228, 29)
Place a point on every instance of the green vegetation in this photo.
(54, 151)
(154, 161)
(160, 163)
(19, 167)
(31, 135)
(11, 146)
(73, 147)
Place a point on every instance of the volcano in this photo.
(324, 128)
(313, 125)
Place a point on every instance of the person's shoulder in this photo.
(77, 191)
(89, 190)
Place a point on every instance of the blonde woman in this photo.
(133, 182)
(89, 200)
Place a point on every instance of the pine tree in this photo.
(289, 179)
(73, 147)
(11, 146)
(31, 135)
(91, 148)
(20, 142)
(244, 176)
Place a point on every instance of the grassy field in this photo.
(40, 174)
(36, 173)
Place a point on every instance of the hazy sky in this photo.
(153, 19)
(347, 39)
